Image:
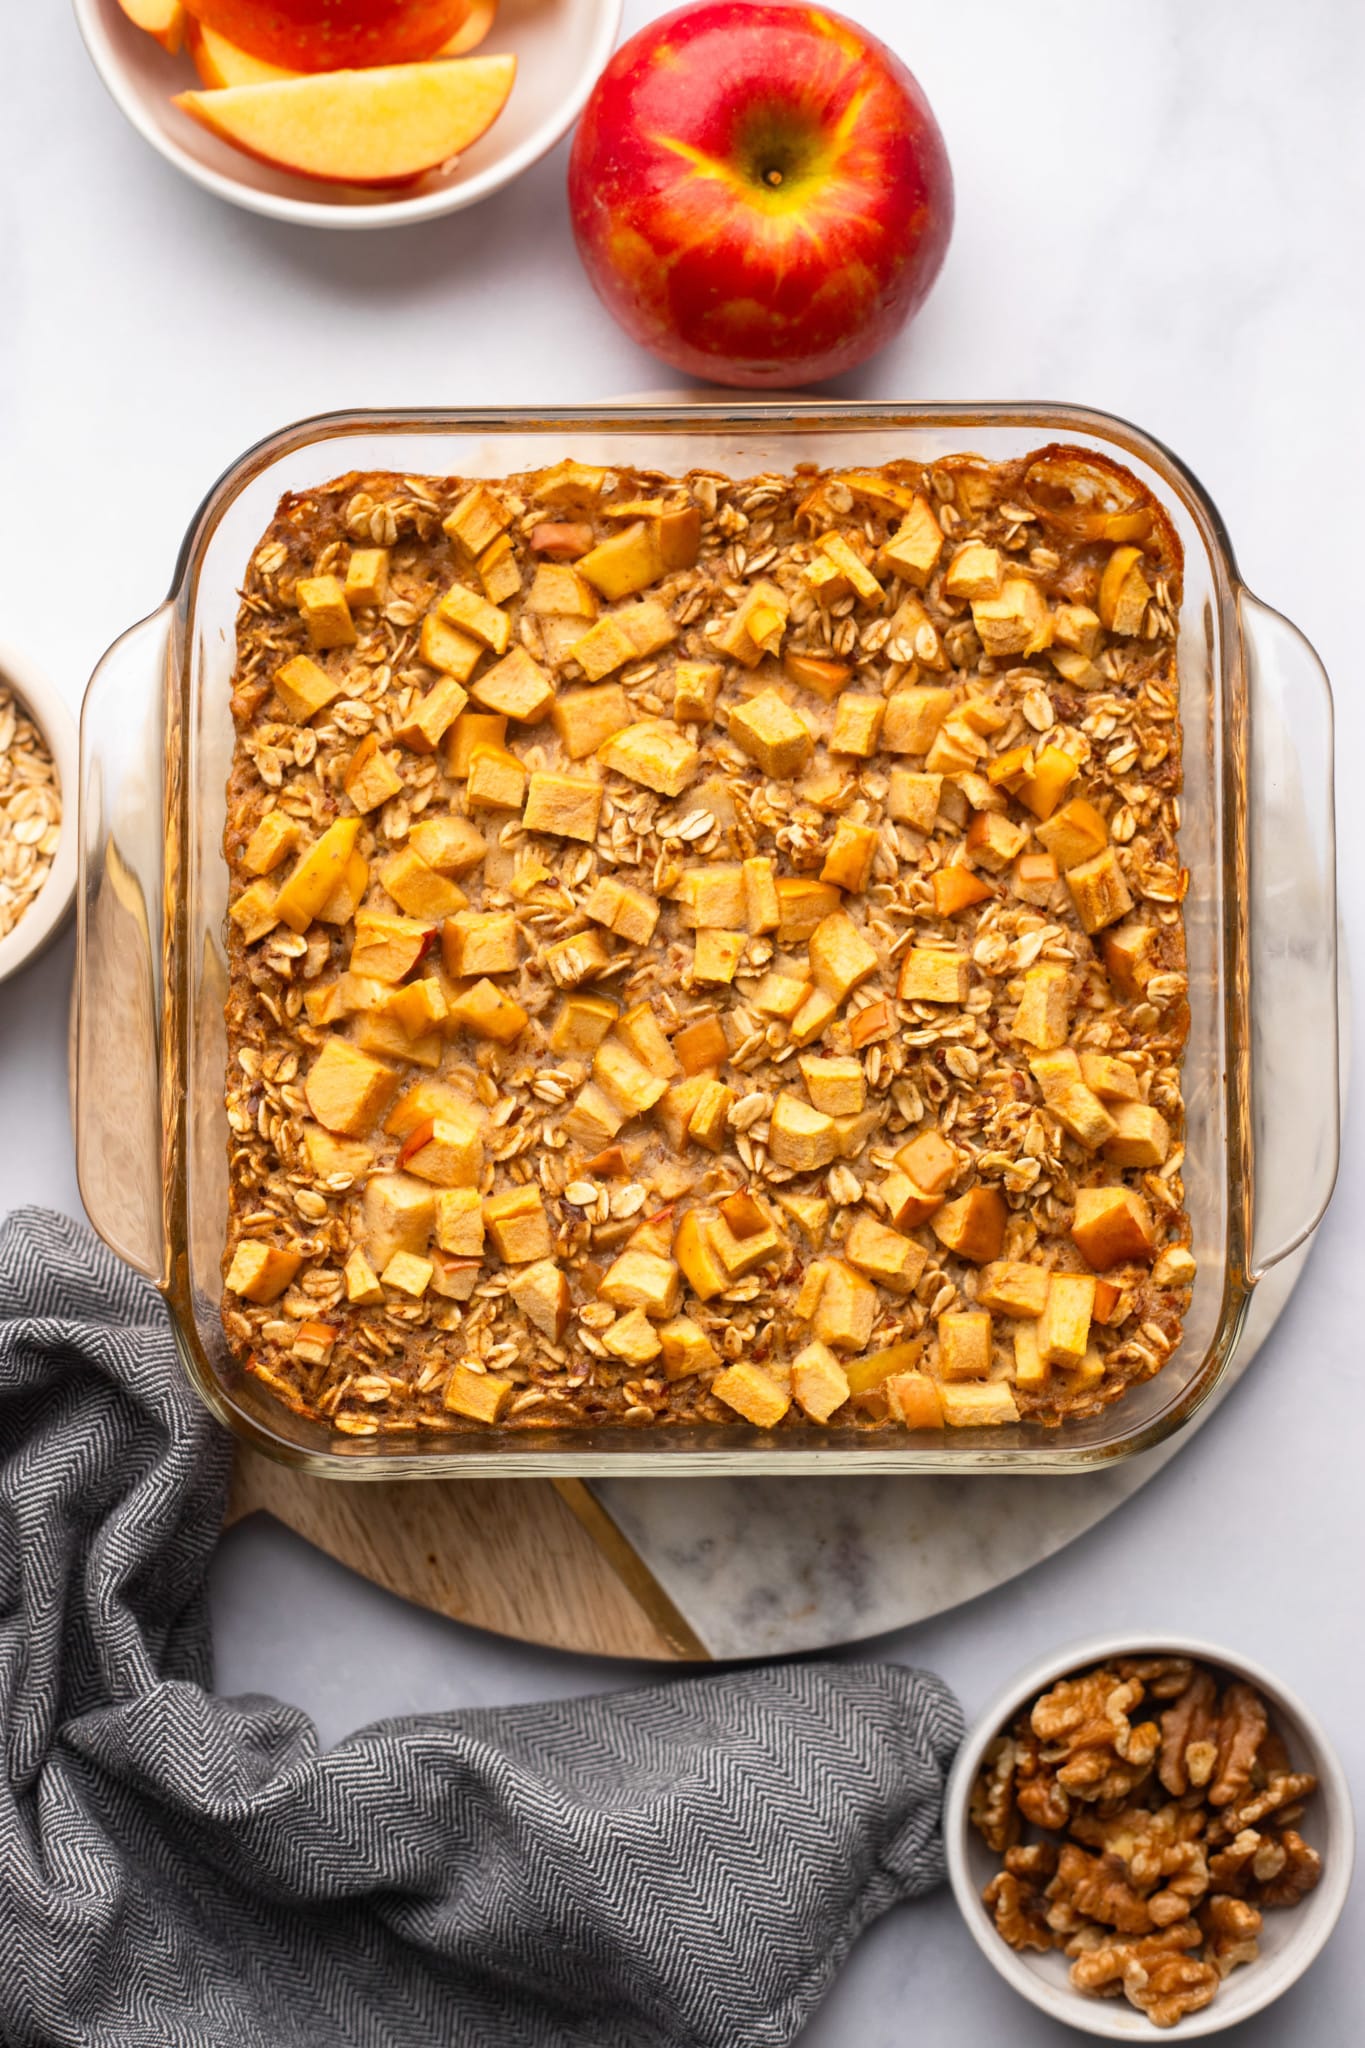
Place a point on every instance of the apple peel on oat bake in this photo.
(708, 950)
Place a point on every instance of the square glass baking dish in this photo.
(1257, 837)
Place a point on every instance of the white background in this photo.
(1159, 213)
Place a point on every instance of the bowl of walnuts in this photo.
(1148, 1835)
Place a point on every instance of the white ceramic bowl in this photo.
(561, 47)
(51, 907)
(1292, 1938)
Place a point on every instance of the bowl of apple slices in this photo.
(350, 113)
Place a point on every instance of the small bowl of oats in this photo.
(37, 813)
(1148, 1835)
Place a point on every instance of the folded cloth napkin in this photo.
(684, 1864)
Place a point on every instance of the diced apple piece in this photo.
(349, 893)
(1099, 891)
(1013, 1288)
(316, 875)
(743, 1255)
(304, 689)
(443, 647)
(964, 1345)
(802, 905)
(478, 1396)
(625, 564)
(1043, 1017)
(780, 995)
(335, 1158)
(587, 719)
(254, 912)
(956, 889)
(387, 948)
(713, 897)
(1124, 592)
(367, 578)
(426, 721)
(841, 957)
(696, 1255)
(771, 734)
(956, 749)
(398, 1214)
(686, 1348)
(260, 1272)
(581, 1025)
(815, 672)
(446, 1152)
(362, 1282)
(427, 1100)
(417, 889)
(477, 521)
(320, 599)
(1035, 877)
(579, 958)
(930, 1162)
(912, 552)
(973, 1226)
(419, 1006)
(478, 942)
(1112, 1226)
(563, 540)
(632, 1337)
(384, 126)
(498, 571)
(379, 1032)
(1016, 621)
(819, 1382)
(914, 717)
(541, 1292)
(1112, 1080)
(851, 852)
(1076, 626)
(451, 845)
(592, 1118)
(568, 806)
(515, 687)
(496, 780)
(875, 1368)
(894, 1261)
(914, 1400)
(1064, 1327)
(487, 1012)
(1141, 1136)
(654, 754)
(623, 909)
(275, 836)
(838, 1086)
(846, 1309)
(459, 1222)
(643, 1280)
(370, 777)
(1127, 955)
(752, 1393)
(913, 799)
(931, 974)
(870, 1025)
(702, 1045)
(348, 1091)
(979, 1404)
(471, 731)
(519, 1226)
(1041, 789)
(717, 956)
(814, 1017)
(800, 1137)
(994, 840)
(464, 608)
(629, 1083)
(839, 569)
(313, 1342)
(696, 686)
(810, 1213)
(975, 571)
(1074, 833)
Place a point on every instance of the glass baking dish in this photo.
(1257, 836)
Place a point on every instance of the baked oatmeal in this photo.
(708, 950)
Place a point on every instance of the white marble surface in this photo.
(1159, 213)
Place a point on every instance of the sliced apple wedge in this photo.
(479, 20)
(383, 127)
(163, 19)
(221, 63)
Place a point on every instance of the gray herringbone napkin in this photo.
(687, 1864)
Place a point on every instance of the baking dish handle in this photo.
(1292, 916)
(119, 961)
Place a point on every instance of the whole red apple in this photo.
(334, 35)
(760, 192)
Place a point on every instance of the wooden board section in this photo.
(537, 1559)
